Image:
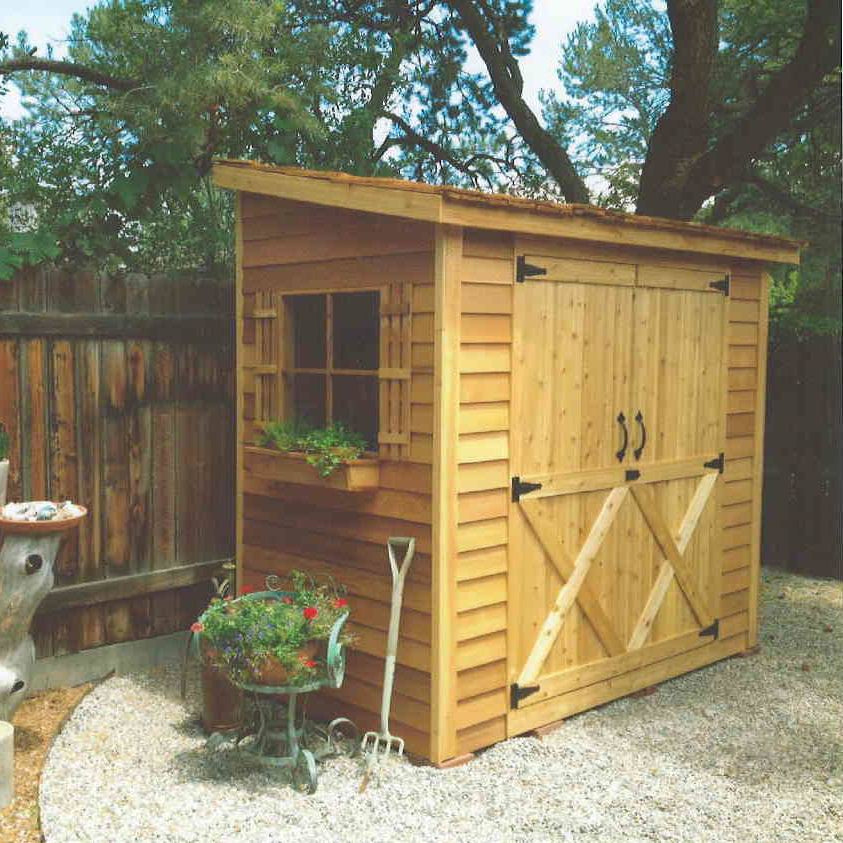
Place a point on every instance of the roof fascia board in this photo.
(582, 228)
(375, 200)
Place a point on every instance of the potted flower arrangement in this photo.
(273, 638)
(294, 452)
(222, 700)
(4, 463)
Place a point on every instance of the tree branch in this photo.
(436, 150)
(772, 112)
(67, 68)
(506, 80)
(787, 200)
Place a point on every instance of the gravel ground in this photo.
(36, 723)
(746, 750)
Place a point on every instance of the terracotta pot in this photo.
(222, 701)
(272, 671)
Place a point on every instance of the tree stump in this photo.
(4, 480)
(26, 575)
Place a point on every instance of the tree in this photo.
(616, 76)
(122, 131)
(117, 145)
(702, 141)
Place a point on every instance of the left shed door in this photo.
(573, 349)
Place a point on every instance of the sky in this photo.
(47, 22)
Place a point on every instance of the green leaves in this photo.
(240, 634)
(27, 249)
(326, 449)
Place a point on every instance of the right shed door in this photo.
(615, 562)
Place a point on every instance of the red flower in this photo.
(227, 597)
(248, 589)
(309, 663)
(197, 627)
(340, 602)
(310, 613)
(287, 600)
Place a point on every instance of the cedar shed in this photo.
(565, 407)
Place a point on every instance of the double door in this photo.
(618, 430)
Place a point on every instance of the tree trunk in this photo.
(26, 575)
(682, 132)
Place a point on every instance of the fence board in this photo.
(117, 392)
(803, 470)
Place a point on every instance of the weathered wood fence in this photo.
(117, 392)
(803, 471)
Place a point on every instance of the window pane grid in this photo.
(344, 328)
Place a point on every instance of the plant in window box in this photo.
(294, 452)
(277, 638)
(4, 463)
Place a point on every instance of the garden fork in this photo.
(380, 744)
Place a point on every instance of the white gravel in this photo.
(747, 750)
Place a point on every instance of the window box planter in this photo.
(360, 475)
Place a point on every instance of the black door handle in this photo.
(622, 452)
(639, 417)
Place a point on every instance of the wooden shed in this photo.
(566, 409)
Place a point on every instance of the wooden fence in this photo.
(117, 392)
(803, 471)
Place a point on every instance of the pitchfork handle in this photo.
(399, 574)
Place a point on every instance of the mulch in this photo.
(36, 722)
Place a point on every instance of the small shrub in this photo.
(325, 448)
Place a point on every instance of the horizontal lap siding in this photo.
(483, 484)
(740, 503)
(293, 247)
(483, 489)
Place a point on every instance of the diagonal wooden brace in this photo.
(569, 592)
(674, 559)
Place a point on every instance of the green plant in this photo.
(325, 448)
(239, 635)
(4, 443)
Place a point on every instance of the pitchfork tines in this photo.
(378, 745)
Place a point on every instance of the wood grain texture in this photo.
(97, 368)
(449, 257)
(292, 248)
(643, 330)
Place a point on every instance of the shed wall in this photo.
(484, 473)
(483, 476)
(294, 247)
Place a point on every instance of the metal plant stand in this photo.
(275, 729)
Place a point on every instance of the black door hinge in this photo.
(722, 285)
(527, 270)
(719, 463)
(517, 693)
(713, 630)
(522, 487)
(632, 474)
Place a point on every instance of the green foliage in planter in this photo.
(4, 443)
(240, 634)
(325, 448)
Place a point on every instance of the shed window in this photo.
(335, 341)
